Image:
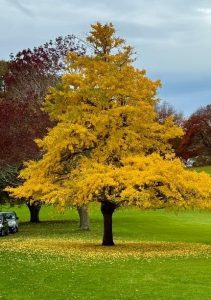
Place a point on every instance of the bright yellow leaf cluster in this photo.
(107, 144)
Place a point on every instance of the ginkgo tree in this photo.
(107, 145)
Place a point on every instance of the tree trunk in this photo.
(34, 209)
(84, 217)
(107, 209)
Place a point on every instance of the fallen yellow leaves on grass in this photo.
(92, 250)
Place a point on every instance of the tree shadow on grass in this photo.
(52, 229)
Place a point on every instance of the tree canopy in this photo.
(31, 71)
(108, 145)
(196, 142)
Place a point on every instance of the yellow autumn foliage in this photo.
(107, 144)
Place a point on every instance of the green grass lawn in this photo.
(158, 255)
(39, 273)
(206, 169)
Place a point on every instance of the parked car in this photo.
(4, 227)
(12, 220)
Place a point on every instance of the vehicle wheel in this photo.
(6, 232)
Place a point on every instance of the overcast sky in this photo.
(172, 38)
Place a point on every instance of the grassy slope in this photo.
(28, 275)
(206, 169)
(129, 224)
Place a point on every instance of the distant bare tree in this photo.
(165, 109)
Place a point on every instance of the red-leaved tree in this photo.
(28, 76)
(196, 143)
(31, 72)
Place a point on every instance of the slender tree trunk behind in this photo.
(107, 209)
(34, 210)
(84, 217)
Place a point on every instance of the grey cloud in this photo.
(21, 7)
(171, 38)
(187, 102)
